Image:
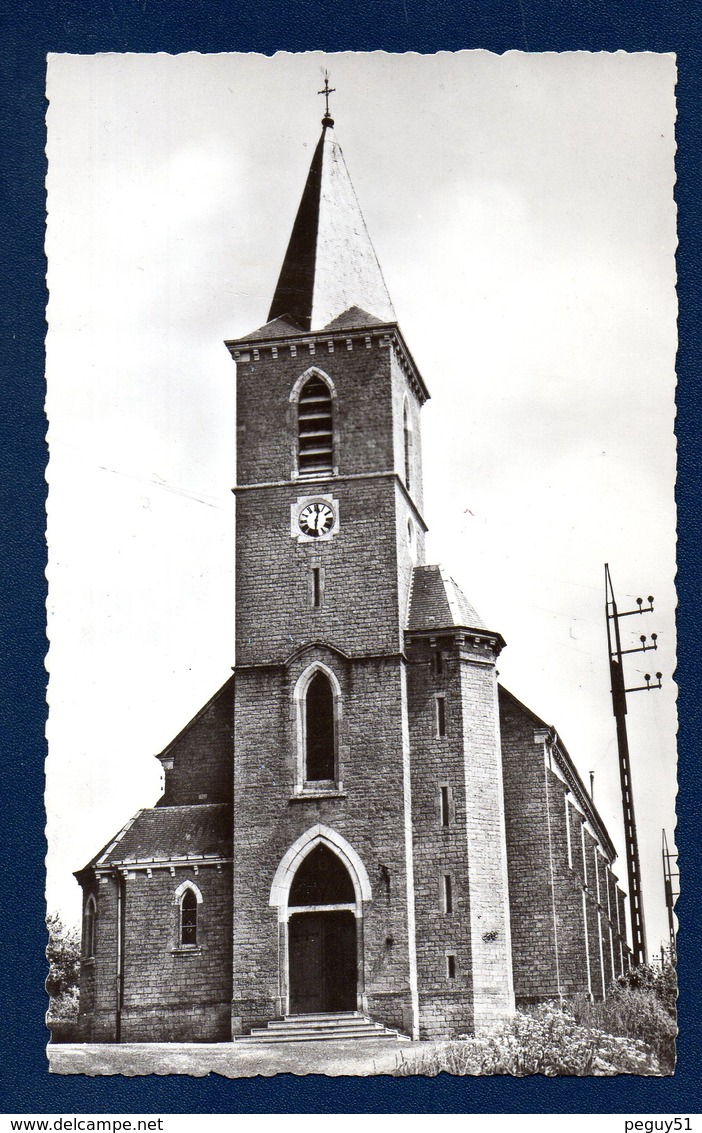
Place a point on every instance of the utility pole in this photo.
(619, 695)
(670, 876)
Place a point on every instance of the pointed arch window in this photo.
(188, 898)
(89, 917)
(320, 738)
(188, 918)
(318, 711)
(315, 429)
(407, 443)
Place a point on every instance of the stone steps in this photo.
(325, 1027)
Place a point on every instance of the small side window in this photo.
(447, 886)
(445, 805)
(441, 716)
(188, 918)
(89, 928)
(316, 587)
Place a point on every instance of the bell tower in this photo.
(329, 478)
(329, 545)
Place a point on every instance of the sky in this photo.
(521, 207)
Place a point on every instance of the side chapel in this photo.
(361, 824)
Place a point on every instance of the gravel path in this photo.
(231, 1060)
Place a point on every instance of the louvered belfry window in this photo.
(315, 429)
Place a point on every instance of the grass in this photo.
(555, 1040)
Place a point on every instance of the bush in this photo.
(666, 989)
(659, 982)
(547, 1040)
(63, 954)
(640, 1005)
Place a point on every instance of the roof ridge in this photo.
(537, 719)
(200, 712)
(183, 806)
(449, 588)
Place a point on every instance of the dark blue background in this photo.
(32, 29)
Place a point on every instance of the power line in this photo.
(619, 695)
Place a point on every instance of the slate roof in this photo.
(282, 327)
(330, 264)
(285, 326)
(167, 833)
(436, 602)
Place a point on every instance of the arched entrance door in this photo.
(322, 948)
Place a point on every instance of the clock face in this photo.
(316, 519)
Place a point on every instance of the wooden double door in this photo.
(322, 962)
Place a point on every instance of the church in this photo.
(361, 832)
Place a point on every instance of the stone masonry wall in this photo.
(175, 993)
(527, 856)
(593, 919)
(620, 949)
(88, 976)
(365, 406)
(402, 393)
(621, 921)
(469, 850)
(98, 978)
(445, 1001)
(409, 552)
(359, 609)
(170, 993)
(493, 987)
(202, 756)
(270, 816)
(562, 891)
(366, 566)
(568, 881)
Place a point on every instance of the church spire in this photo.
(330, 264)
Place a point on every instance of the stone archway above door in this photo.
(304, 845)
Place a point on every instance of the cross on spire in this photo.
(326, 90)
